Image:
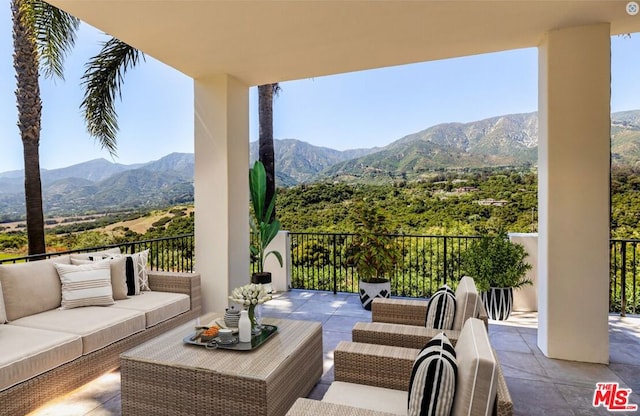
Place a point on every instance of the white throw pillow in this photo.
(118, 272)
(94, 255)
(140, 269)
(85, 285)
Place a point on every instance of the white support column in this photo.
(280, 276)
(221, 187)
(573, 193)
(525, 299)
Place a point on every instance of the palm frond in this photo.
(54, 33)
(102, 81)
(276, 89)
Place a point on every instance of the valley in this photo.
(449, 178)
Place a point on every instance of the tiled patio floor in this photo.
(538, 385)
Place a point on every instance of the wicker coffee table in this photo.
(166, 377)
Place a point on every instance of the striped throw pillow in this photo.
(86, 284)
(433, 379)
(441, 309)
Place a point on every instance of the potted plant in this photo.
(373, 253)
(263, 226)
(497, 266)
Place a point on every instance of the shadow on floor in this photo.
(538, 385)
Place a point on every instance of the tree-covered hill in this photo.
(414, 161)
(444, 204)
(448, 203)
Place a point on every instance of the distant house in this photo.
(465, 189)
(493, 202)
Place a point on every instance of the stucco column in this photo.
(280, 276)
(221, 187)
(525, 299)
(573, 193)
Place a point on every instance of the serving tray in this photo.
(256, 340)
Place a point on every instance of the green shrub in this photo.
(494, 261)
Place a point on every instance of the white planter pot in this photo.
(369, 291)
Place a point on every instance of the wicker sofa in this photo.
(48, 351)
(373, 380)
(401, 322)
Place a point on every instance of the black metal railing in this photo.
(168, 253)
(624, 293)
(320, 261)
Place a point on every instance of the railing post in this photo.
(623, 281)
(612, 272)
(335, 273)
(446, 262)
(634, 247)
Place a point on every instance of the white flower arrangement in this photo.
(251, 294)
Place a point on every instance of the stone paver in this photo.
(538, 385)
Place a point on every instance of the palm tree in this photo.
(265, 142)
(42, 36)
(103, 80)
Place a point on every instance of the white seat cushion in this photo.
(467, 302)
(3, 314)
(98, 326)
(157, 306)
(28, 352)
(367, 397)
(477, 371)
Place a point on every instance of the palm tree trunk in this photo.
(25, 63)
(33, 198)
(265, 143)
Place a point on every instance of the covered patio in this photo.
(229, 46)
(538, 385)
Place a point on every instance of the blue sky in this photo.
(355, 110)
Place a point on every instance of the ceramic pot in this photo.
(370, 291)
(498, 302)
(263, 278)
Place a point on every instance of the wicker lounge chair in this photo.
(401, 322)
(386, 367)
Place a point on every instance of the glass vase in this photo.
(253, 317)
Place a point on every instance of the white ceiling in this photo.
(268, 41)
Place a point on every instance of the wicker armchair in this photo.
(401, 322)
(390, 367)
(308, 407)
(386, 367)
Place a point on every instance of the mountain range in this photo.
(102, 186)
(507, 140)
